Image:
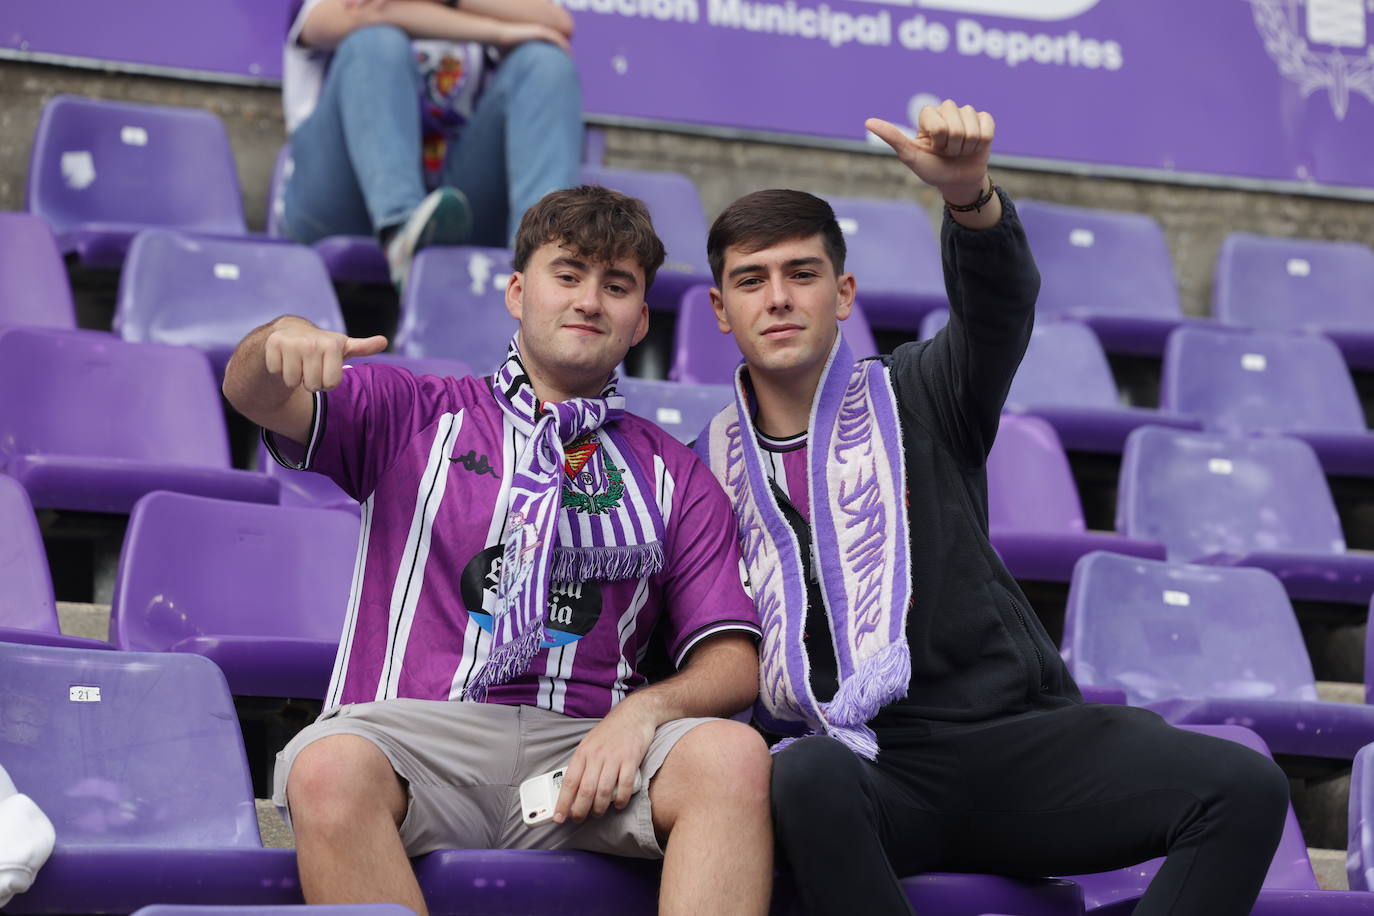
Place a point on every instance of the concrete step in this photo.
(277, 835)
(1340, 692)
(90, 621)
(1329, 865)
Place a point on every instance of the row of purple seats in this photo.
(137, 760)
(100, 171)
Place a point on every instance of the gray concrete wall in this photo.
(1194, 219)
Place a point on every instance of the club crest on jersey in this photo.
(578, 488)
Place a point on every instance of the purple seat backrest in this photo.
(26, 596)
(33, 280)
(97, 161)
(455, 306)
(891, 248)
(193, 566)
(209, 292)
(1238, 381)
(933, 322)
(1100, 261)
(126, 748)
(1030, 484)
(1359, 862)
(681, 408)
(703, 355)
(1204, 493)
(1163, 630)
(1283, 284)
(85, 393)
(675, 206)
(1064, 366)
(276, 192)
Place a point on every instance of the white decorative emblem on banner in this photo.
(1310, 52)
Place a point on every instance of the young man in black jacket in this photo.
(935, 726)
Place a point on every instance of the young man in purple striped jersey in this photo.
(523, 540)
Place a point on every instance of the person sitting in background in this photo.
(524, 540)
(930, 723)
(427, 121)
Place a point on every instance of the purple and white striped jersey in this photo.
(425, 458)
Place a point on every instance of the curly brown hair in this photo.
(594, 223)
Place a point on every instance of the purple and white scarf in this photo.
(856, 477)
(601, 522)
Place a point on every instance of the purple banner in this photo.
(235, 38)
(1268, 89)
(1260, 89)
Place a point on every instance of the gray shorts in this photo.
(463, 764)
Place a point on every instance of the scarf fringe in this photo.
(507, 661)
(612, 563)
(879, 680)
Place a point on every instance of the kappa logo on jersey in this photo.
(573, 609)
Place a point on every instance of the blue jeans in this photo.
(357, 157)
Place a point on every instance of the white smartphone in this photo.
(539, 795)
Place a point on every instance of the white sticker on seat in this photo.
(84, 694)
(1220, 465)
(1082, 238)
(226, 271)
(1176, 598)
(78, 169)
(1254, 362)
(848, 225)
(133, 135)
(668, 415)
(1299, 267)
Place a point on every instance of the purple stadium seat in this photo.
(1291, 284)
(1240, 381)
(28, 613)
(319, 909)
(1064, 378)
(703, 355)
(1205, 645)
(1034, 513)
(894, 252)
(100, 171)
(1359, 859)
(454, 306)
(1241, 502)
(138, 761)
(276, 192)
(89, 422)
(1290, 888)
(33, 281)
(260, 590)
(682, 408)
(675, 206)
(204, 292)
(1109, 269)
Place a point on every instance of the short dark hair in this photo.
(594, 223)
(765, 218)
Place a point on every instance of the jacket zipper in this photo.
(1021, 619)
